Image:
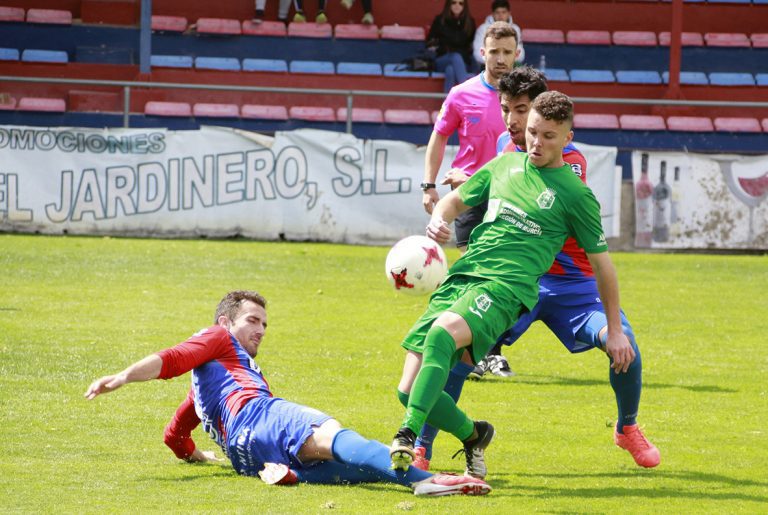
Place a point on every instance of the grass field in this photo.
(72, 309)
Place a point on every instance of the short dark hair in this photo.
(499, 3)
(523, 80)
(553, 105)
(232, 302)
(500, 30)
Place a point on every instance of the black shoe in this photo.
(480, 369)
(401, 452)
(474, 450)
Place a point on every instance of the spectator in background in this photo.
(282, 11)
(300, 17)
(499, 12)
(450, 37)
(367, 9)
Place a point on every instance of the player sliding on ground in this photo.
(535, 202)
(282, 442)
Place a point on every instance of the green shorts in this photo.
(488, 308)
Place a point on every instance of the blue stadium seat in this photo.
(358, 68)
(264, 65)
(731, 79)
(638, 77)
(592, 76)
(394, 70)
(695, 78)
(44, 56)
(9, 54)
(218, 63)
(312, 67)
(556, 74)
(761, 79)
(172, 61)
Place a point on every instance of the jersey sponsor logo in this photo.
(519, 218)
(515, 169)
(546, 199)
(601, 241)
(576, 167)
(482, 304)
(473, 119)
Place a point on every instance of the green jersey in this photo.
(531, 212)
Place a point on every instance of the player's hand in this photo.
(621, 351)
(454, 178)
(104, 385)
(429, 199)
(199, 456)
(438, 230)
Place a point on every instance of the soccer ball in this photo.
(416, 265)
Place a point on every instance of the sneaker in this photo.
(347, 4)
(258, 17)
(321, 18)
(447, 484)
(299, 18)
(401, 451)
(480, 369)
(474, 450)
(420, 461)
(499, 366)
(644, 452)
(278, 474)
(368, 19)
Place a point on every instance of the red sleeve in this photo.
(207, 345)
(578, 164)
(178, 432)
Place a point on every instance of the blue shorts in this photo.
(270, 430)
(571, 309)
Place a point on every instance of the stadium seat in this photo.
(48, 105)
(556, 74)
(764, 123)
(7, 102)
(688, 39)
(634, 38)
(731, 79)
(311, 67)
(158, 108)
(310, 30)
(595, 121)
(265, 28)
(733, 124)
(433, 116)
(231, 64)
(396, 70)
(11, 13)
(761, 79)
(642, 122)
(555, 36)
(356, 31)
(592, 76)
(264, 65)
(759, 40)
(223, 26)
(407, 116)
(171, 61)
(403, 32)
(169, 23)
(9, 54)
(588, 37)
(53, 16)
(690, 123)
(361, 114)
(638, 77)
(264, 112)
(216, 110)
(44, 56)
(345, 68)
(727, 39)
(690, 78)
(312, 113)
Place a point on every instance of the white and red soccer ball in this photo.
(416, 265)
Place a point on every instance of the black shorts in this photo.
(467, 221)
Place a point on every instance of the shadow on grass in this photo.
(535, 379)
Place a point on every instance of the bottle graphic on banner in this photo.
(747, 186)
(662, 199)
(643, 193)
(674, 210)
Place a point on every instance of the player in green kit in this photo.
(535, 202)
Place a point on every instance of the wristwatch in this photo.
(427, 186)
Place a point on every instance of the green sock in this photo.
(445, 416)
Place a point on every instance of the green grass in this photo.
(72, 309)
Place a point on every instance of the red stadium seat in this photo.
(727, 39)
(50, 105)
(264, 112)
(759, 40)
(169, 23)
(361, 114)
(55, 16)
(11, 13)
(407, 116)
(158, 108)
(216, 110)
(634, 38)
(356, 31)
(312, 113)
(642, 122)
(690, 123)
(543, 36)
(588, 37)
(688, 39)
(433, 116)
(595, 121)
(403, 32)
(265, 28)
(732, 124)
(7, 102)
(310, 30)
(764, 123)
(218, 26)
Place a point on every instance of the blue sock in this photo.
(333, 473)
(371, 457)
(627, 385)
(453, 387)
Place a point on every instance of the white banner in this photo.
(700, 201)
(220, 182)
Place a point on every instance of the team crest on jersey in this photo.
(546, 199)
(482, 304)
(576, 167)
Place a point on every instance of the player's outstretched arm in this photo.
(617, 344)
(144, 370)
(433, 159)
(445, 212)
